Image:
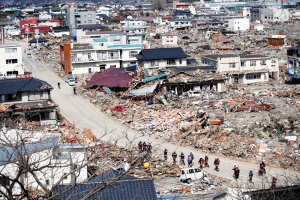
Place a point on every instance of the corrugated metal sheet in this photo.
(152, 78)
(144, 91)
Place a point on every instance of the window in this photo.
(180, 61)
(102, 67)
(231, 65)
(171, 62)
(113, 66)
(253, 76)
(11, 61)
(90, 15)
(86, 56)
(243, 64)
(73, 57)
(90, 21)
(132, 53)
(152, 63)
(263, 62)
(11, 50)
(90, 70)
(66, 176)
(171, 40)
(156, 62)
(197, 170)
(252, 63)
(171, 36)
(47, 182)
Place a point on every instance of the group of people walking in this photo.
(144, 147)
(204, 163)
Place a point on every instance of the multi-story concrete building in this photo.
(180, 23)
(244, 69)
(271, 15)
(76, 18)
(92, 57)
(169, 40)
(238, 24)
(11, 60)
(254, 14)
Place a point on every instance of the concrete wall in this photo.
(11, 53)
(83, 68)
(238, 24)
(274, 15)
(169, 40)
(162, 63)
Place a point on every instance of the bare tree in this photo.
(33, 164)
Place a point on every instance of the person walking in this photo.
(250, 175)
(217, 163)
(140, 145)
(237, 173)
(182, 159)
(206, 161)
(58, 85)
(190, 160)
(74, 89)
(273, 182)
(201, 162)
(166, 154)
(174, 156)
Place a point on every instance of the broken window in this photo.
(263, 62)
(231, 65)
(243, 64)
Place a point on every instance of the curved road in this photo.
(85, 115)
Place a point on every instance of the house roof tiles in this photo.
(162, 53)
(13, 86)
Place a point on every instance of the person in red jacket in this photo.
(217, 163)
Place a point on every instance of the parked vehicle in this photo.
(28, 55)
(2, 76)
(191, 174)
(67, 79)
(71, 82)
(119, 108)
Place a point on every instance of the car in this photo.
(191, 174)
(28, 55)
(71, 82)
(67, 79)
(119, 108)
(2, 76)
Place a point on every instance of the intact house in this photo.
(48, 157)
(28, 98)
(86, 58)
(11, 60)
(162, 58)
(244, 69)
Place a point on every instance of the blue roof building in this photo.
(125, 188)
(162, 58)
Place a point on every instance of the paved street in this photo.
(85, 115)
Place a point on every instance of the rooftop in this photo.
(253, 56)
(161, 53)
(216, 56)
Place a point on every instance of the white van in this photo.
(191, 174)
(2, 76)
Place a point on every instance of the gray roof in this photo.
(216, 56)
(253, 56)
(105, 32)
(180, 20)
(13, 86)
